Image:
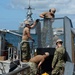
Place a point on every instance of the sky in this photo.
(13, 12)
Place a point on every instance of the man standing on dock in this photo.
(25, 48)
(47, 32)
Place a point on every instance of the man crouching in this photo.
(36, 62)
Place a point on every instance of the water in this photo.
(14, 40)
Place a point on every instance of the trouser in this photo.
(58, 71)
(25, 50)
(33, 68)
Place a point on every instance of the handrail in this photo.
(4, 30)
(54, 18)
(20, 70)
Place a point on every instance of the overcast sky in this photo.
(13, 12)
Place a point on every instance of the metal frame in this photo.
(68, 41)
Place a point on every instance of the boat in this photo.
(69, 44)
(7, 47)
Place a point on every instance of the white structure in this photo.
(58, 31)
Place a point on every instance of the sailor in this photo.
(36, 62)
(58, 59)
(47, 28)
(25, 48)
(49, 14)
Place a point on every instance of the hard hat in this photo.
(26, 22)
(47, 53)
(45, 73)
(59, 40)
(53, 10)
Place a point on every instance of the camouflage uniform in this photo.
(33, 68)
(25, 50)
(58, 61)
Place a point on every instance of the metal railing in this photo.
(12, 51)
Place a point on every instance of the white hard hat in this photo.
(59, 40)
(47, 53)
(26, 22)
